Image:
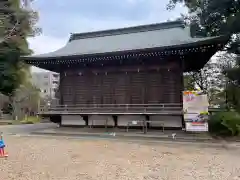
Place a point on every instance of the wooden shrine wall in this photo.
(122, 86)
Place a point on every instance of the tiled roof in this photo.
(125, 39)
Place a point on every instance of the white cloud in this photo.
(48, 43)
(44, 44)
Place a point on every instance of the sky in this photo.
(59, 18)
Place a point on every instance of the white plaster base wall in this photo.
(98, 120)
(168, 121)
(123, 120)
(73, 120)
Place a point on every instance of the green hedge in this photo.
(225, 124)
(30, 120)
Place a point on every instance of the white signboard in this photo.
(196, 127)
(195, 105)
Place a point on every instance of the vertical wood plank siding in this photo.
(123, 87)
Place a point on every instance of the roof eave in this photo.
(215, 40)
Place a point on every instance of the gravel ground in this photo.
(38, 158)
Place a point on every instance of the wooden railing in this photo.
(114, 109)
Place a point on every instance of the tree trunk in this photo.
(13, 105)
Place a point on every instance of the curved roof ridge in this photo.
(127, 30)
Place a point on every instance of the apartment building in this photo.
(47, 82)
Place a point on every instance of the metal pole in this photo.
(144, 126)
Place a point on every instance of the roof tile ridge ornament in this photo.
(128, 30)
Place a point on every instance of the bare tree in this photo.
(25, 101)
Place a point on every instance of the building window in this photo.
(55, 82)
(45, 76)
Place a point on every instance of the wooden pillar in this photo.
(101, 88)
(127, 88)
(74, 79)
(115, 119)
(61, 86)
(85, 118)
(182, 66)
(172, 90)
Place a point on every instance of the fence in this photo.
(114, 109)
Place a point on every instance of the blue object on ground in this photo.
(2, 145)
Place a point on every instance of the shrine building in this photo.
(113, 77)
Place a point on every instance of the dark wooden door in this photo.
(67, 90)
(154, 87)
(107, 88)
(96, 86)
(121, 88)
(137, 86)
(82, 88)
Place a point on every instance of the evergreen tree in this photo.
(17, 22)
(216, 18)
